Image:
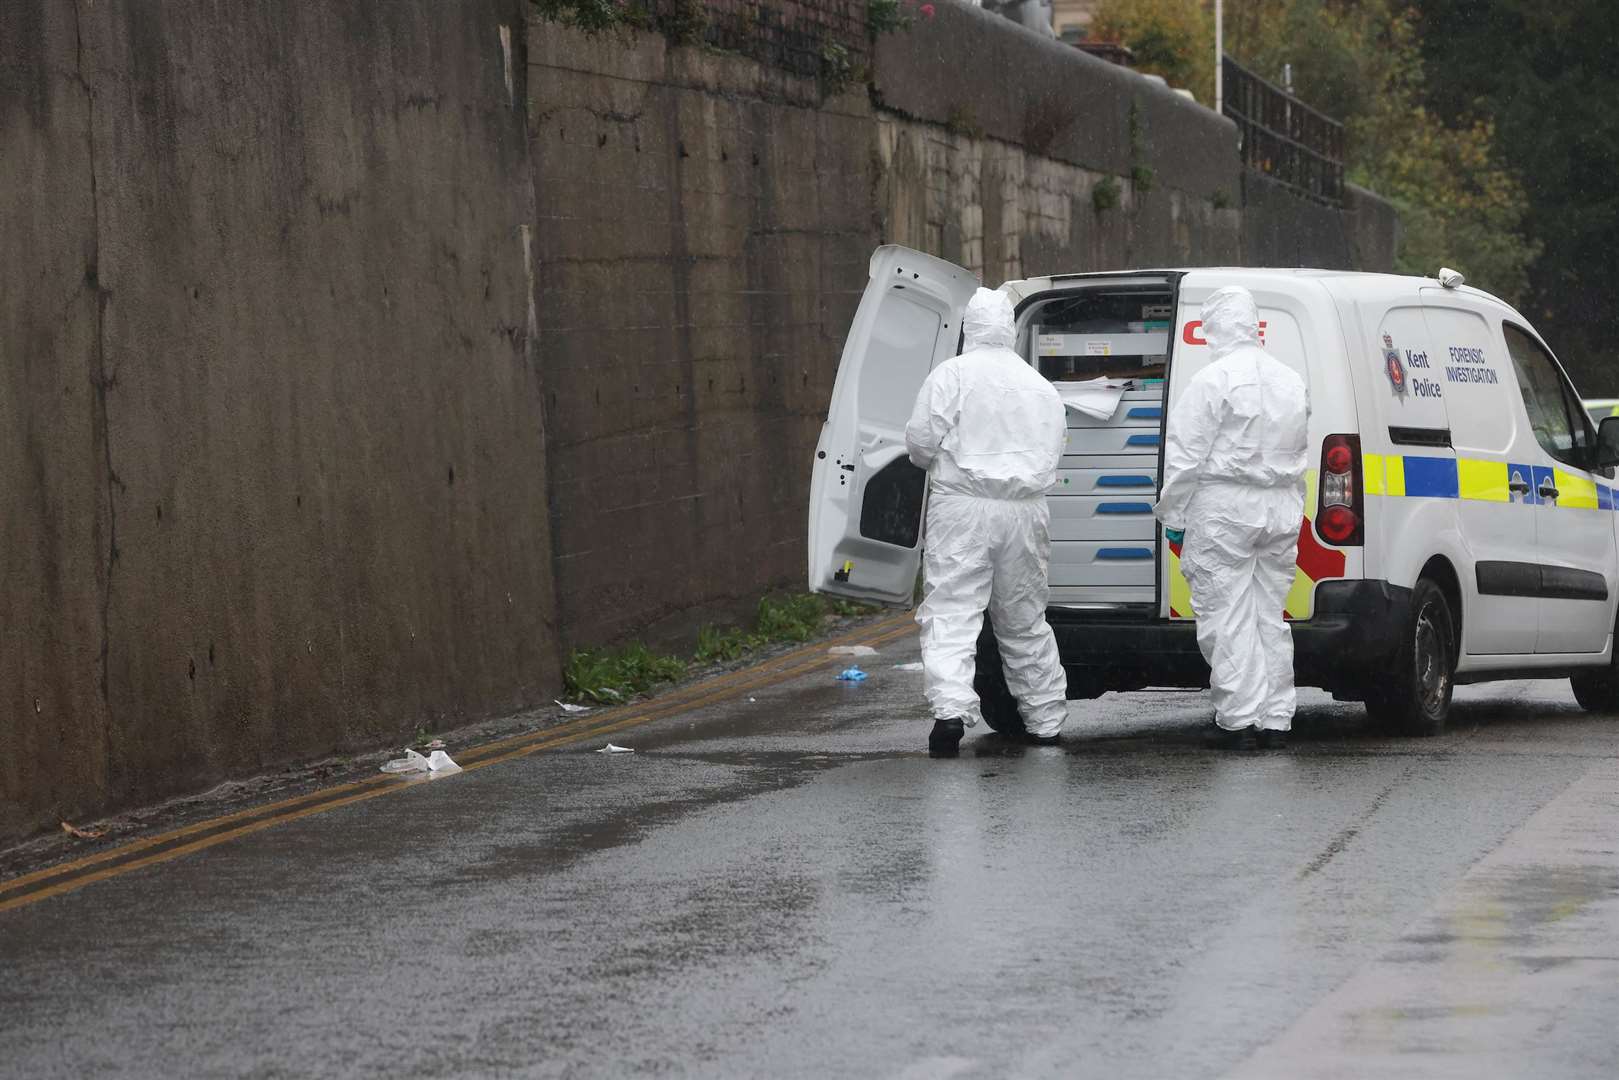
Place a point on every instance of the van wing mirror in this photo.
(1608, 442)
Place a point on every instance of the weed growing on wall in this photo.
(592, 16)
(683, 22)
(887, 16)
(1105, 195)
(1142, 175)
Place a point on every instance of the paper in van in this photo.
(1098, 398)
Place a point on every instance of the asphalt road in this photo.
(783, 884)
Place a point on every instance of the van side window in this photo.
(1556, 417)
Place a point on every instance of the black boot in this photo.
(1272, 740)
(1219, 738)
(945, 739)
(1042, 740)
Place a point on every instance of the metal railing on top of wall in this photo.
(1284, 138)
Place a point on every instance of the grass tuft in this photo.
(611, 676)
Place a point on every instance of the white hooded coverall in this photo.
(1234, 464)
(989, 429)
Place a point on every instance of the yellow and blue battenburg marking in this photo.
(1417, 477)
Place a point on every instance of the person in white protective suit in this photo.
(989, 429)
(1233, 495)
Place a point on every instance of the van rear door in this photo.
(866, 498)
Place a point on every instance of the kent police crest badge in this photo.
(1392, 365)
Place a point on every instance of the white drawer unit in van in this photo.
(1104, 538)
(1461, 517)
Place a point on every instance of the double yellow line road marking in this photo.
(67, 877)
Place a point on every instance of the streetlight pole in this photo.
(1219, 56)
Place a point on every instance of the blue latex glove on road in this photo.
(1174, 536)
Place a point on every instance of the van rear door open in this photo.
(866, 498)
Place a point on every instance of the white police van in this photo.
(1460, 522)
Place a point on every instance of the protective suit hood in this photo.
(1230, 321)
(987, 322)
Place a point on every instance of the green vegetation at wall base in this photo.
(613, 676)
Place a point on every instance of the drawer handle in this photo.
(1122, 553)
(1124, 508)
(1124, 481)
(1141, 440)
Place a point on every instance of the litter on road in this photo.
(81, 834)
(412, 762)
(441, 764)
(611, 749)
(853, 674)
(572, 710)
(914, 666)
(851, 650)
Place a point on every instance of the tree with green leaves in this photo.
(1544, 77)
(1173, 39)
(1362, 62)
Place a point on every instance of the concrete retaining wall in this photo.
(272, 455)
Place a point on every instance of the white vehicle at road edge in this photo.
(1461, 520)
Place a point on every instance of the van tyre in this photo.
(1415, 697)
(995, 700)
(1597, 689)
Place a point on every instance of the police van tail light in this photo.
(1341, 510)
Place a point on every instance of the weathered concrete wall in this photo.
(703, 234)
(272, 457)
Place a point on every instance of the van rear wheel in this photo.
(1415, 699)
(995, 699)
(1597, 690)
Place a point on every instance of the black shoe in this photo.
(1219, 738)
(1042, 740)
(1272, 740)
(945, 738)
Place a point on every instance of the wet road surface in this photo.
(783, 884)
